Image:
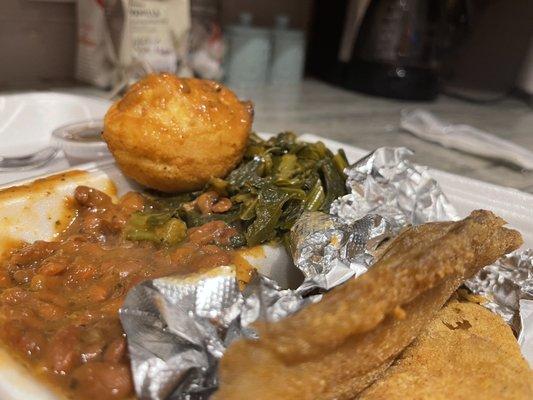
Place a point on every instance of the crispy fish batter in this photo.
(335, 348)
(466, 352)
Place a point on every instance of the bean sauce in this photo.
(59, 300)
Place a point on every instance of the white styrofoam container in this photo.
(27, 121)
(28, 212)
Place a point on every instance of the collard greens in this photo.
(276, 181)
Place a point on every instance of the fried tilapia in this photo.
(466, 352)
(336, 348)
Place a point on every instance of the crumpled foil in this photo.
(525, 338)
(329, 251)
(179, 327)
(505, 284)
(386, 183)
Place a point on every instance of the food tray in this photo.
(28, 120)
(29, 212)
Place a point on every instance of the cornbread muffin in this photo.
(173, 134)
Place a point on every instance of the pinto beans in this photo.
(89, 197)
(221, 206)
(32, 253)
(49, 311)
(205, 201)
(183, 253)
(116, 350)
(131, 202)
(53, 267)
(210, 202)
(103, 380)
(97, 293)
(59, 300)
(210, 233)
(62, 355)
(22, 275)
(91, 225)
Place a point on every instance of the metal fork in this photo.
(28, 161)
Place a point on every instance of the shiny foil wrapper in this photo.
(177, 330)
(507, 288)
(179, 327)
(329, 251)
(505, 284)
(386, 183)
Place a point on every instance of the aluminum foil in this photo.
(504, 284)
(329, 251)
(179, 327)
(386, 183)
(525, 339)
(507, 286)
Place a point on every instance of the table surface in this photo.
(370, 122)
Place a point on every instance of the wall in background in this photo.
(36, 43)
(37, 37)
(487, 63)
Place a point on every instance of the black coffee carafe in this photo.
(395, 51)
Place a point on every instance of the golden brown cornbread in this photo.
(174, 134)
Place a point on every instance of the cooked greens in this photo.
(277, 180)
(159, 227)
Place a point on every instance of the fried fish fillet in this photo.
(466, 352)
(336, 348)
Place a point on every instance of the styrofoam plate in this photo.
(28, 212)
(28, 119)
